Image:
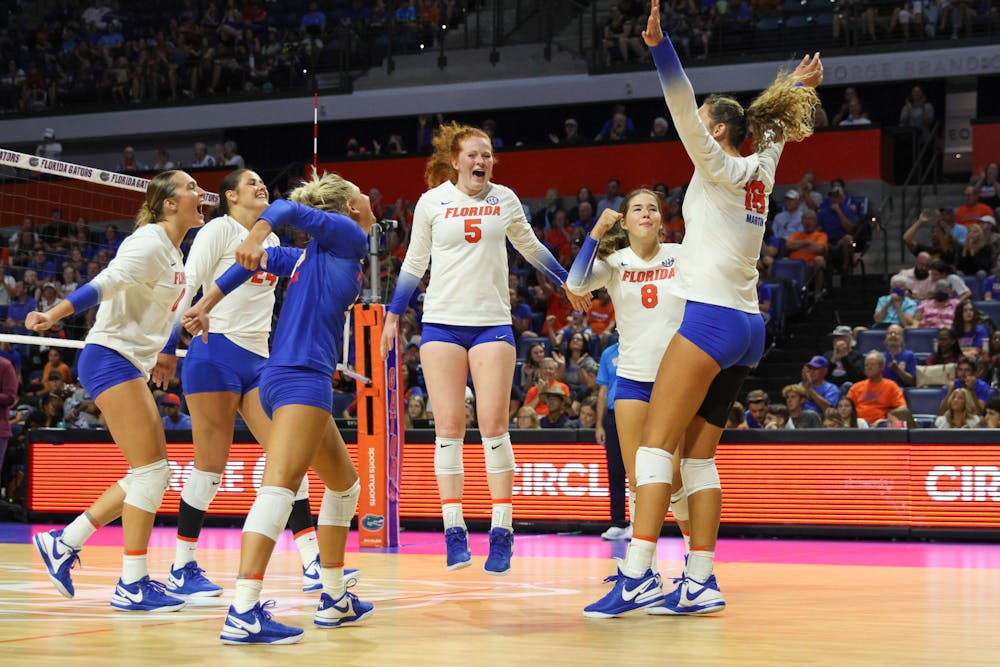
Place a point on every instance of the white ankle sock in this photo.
(184, 551)
(638, 558)
(308, 546)
(333, 581)
(452, 514)
(503, 516)
(699, 565)
(78, 531)
(134, 568)
(247, 594)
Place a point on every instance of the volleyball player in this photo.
(647, 315)
(297, 393)
(140, 291)
(461, 226)
(221, 378)
(722, 333)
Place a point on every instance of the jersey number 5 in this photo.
(650, 297)
(755, 200)
(472, 231)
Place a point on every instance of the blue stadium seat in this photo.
(792, 269)
(777, 321)
(870, 339)
(975, 285)
(924, 401)
(991, 308)
(920, 341)
(528, 341)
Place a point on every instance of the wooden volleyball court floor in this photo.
(790, 602)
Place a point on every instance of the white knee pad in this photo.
(126, 483)
(269, 512)
(338, 507)
(148, 485)
(200, 488)
(679, 504)
(303, 492)
(653, 466)
(448, 456)
(699, 475)
(499, 454)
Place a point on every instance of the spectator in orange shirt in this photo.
(972, 211)
(601, 316)
(545, 380)
(810, 245)
(673, 222)
(875, 396)
(56, 363)
(557, 311)
(558, 235)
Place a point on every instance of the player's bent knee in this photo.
(448, 456)
(269, 512)
(700, 475)
(200, 488)
(499, 454)
(148, 485)
(653, 466)
(338, 507)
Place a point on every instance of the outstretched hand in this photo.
(653, 34)
(809, 71)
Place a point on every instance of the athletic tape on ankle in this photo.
(200, 488)
(653, 466)
(269, 512)
(148, 485)
(700, 475)
(499, 454)
(338, 507)
(448, 456)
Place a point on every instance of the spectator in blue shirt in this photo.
(895, 307)
(965, 376)
(838, 221)
(820, 393)
(173, 418)
(900, 363)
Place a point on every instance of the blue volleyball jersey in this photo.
(325, 282)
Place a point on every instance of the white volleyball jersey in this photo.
(646, 314)
(244, 316)
(464, 238)
(140, 289)
(725, 210)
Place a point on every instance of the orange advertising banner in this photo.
(914, 485)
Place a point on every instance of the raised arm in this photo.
(586, 274)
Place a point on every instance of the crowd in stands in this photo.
(113, 52)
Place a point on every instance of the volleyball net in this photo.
(60, 225)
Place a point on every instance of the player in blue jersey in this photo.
(722, 333)
(296, 392)
(139, 293)
(461, 226)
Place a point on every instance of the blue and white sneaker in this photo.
(345, 609)
(257, 626)
(144, 595)
(59, 559)
(501, 549)
(190, 581)
(628, 595)
(691, 597)
(457, 543)
(312, 582)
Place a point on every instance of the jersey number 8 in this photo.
(650, 297)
